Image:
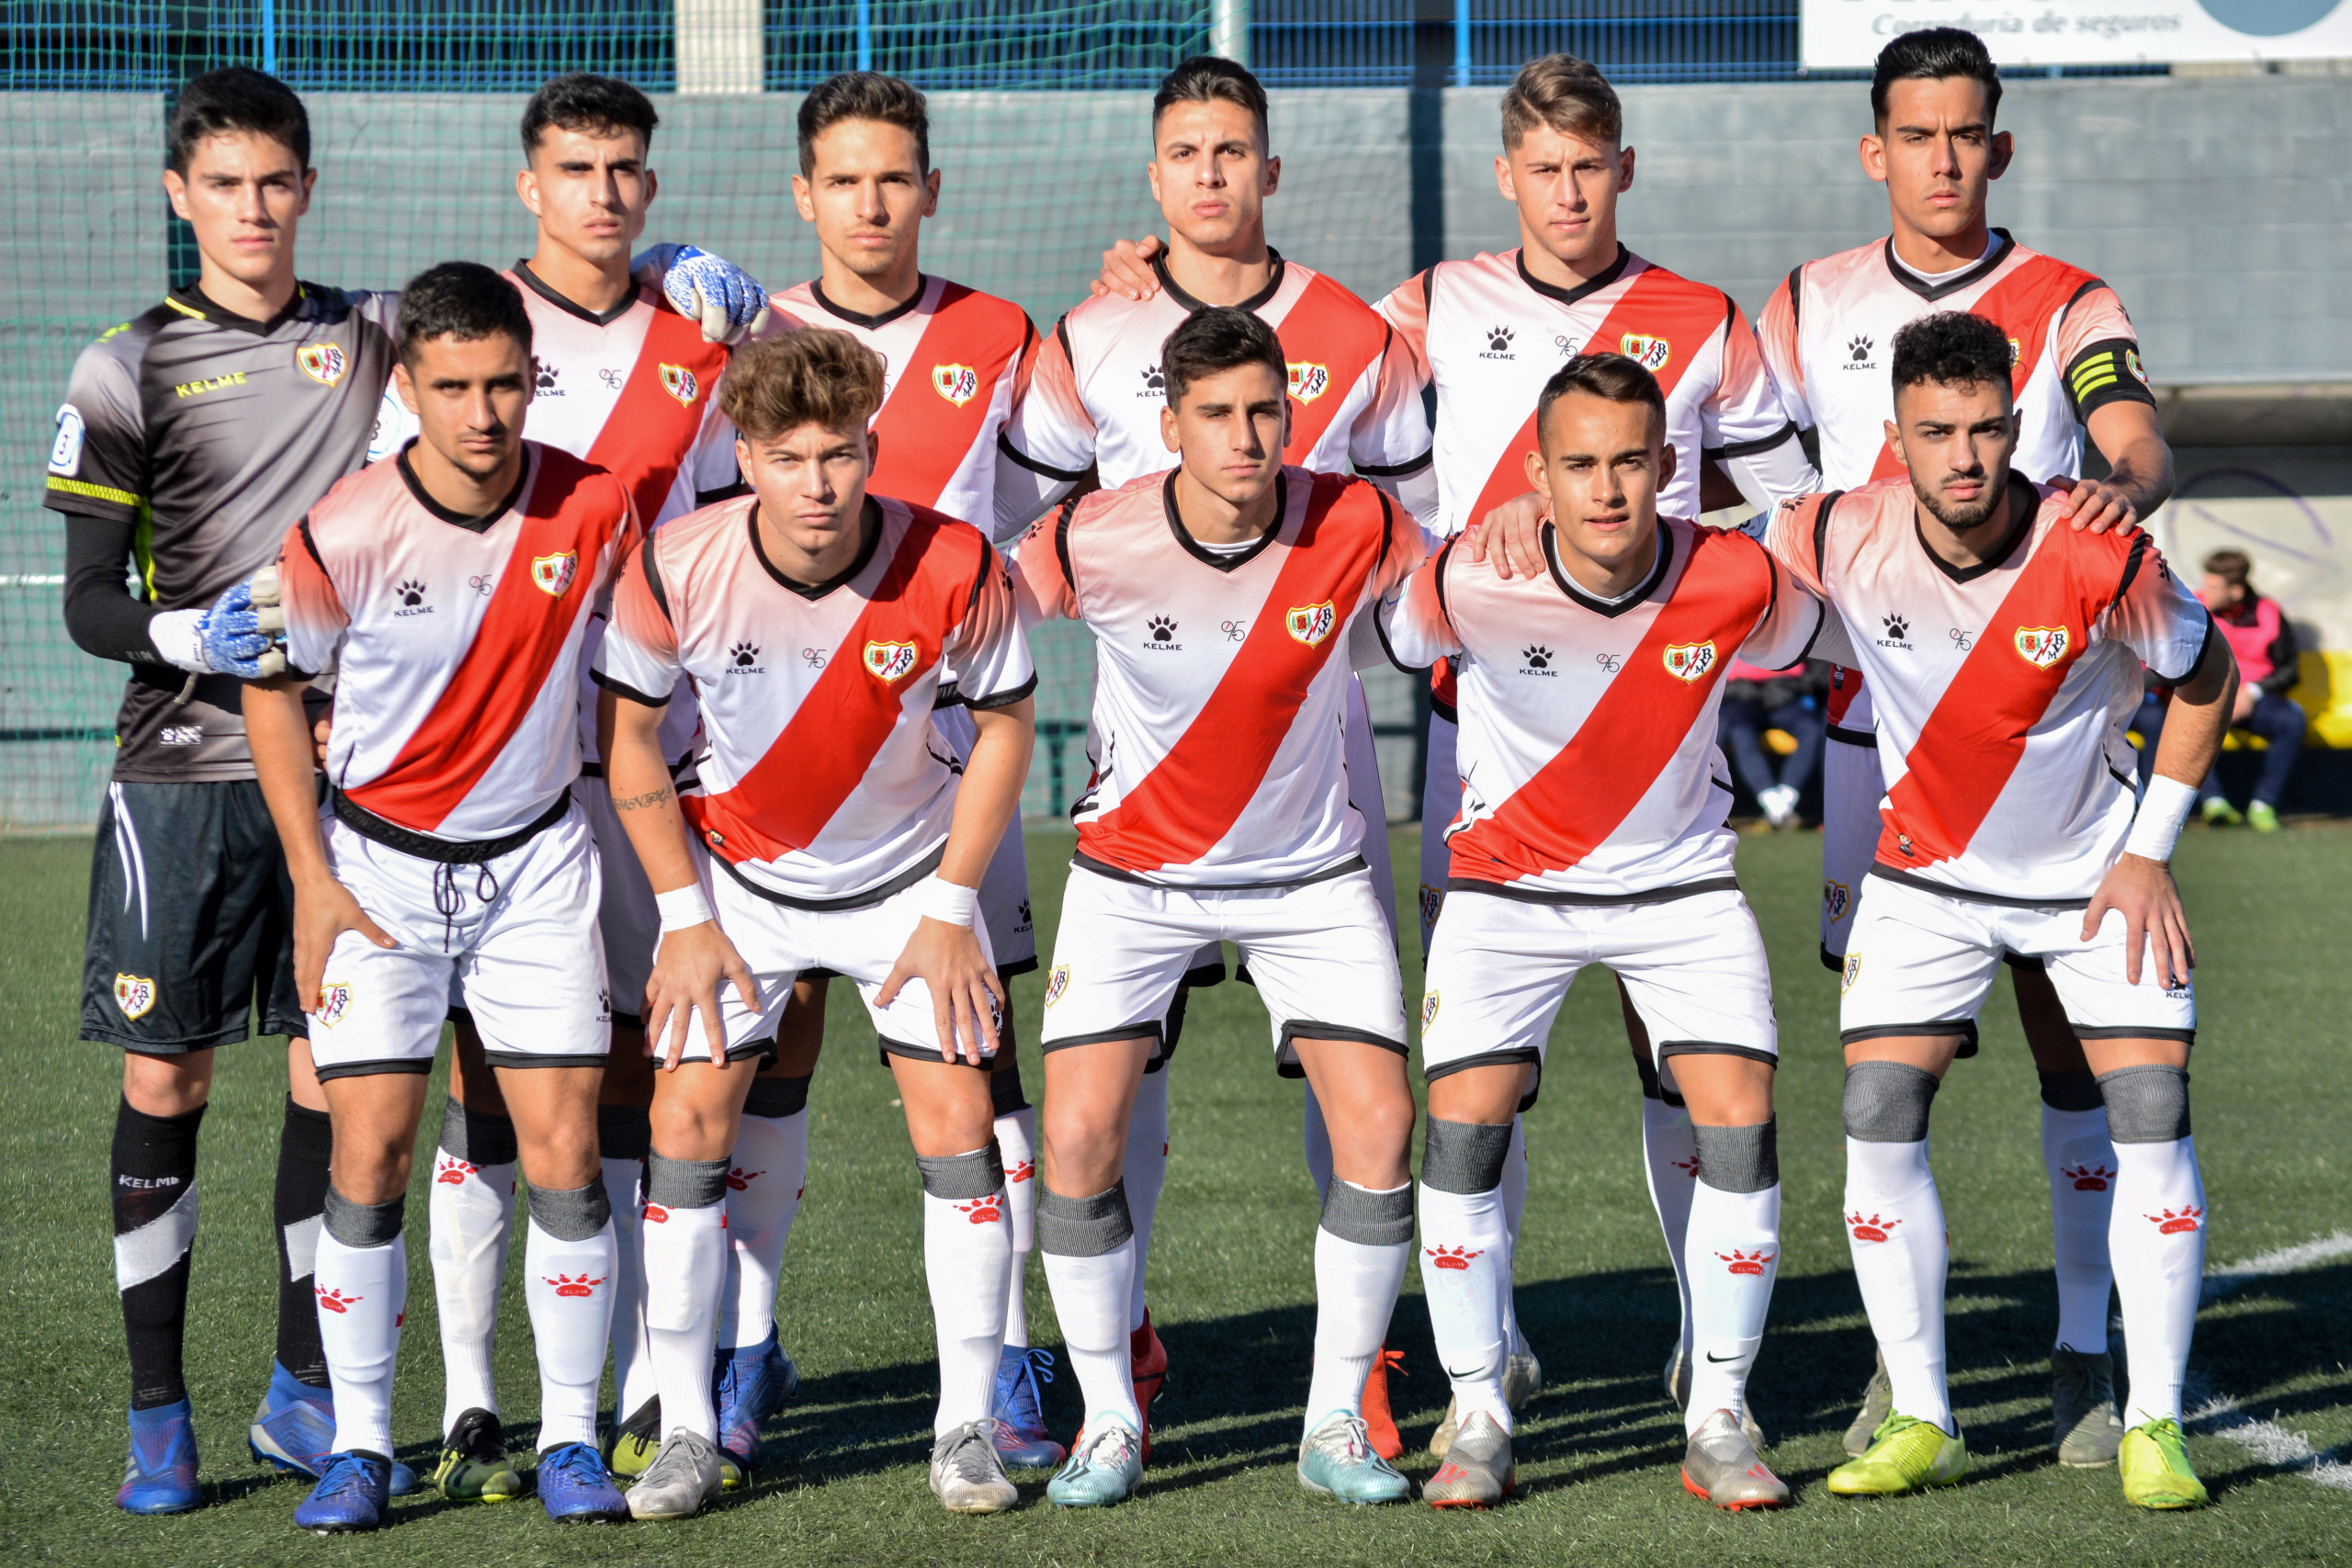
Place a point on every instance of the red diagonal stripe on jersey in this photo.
(571, 507)
(785, 799)
(1576, 800)
(1189, 801)
(925, 434)
(1977, 735)
(644, 441)
(1332, 328)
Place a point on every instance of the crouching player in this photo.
(827, 829)
(449, 587)
(1220, 811)
(1592, 831)
(2009, 828)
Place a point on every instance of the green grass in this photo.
(1232, 1284)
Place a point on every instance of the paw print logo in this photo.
(451, 1171)
(1875, 1228)
(1163, 628)
(1454, 1256)
(2171, 1223)
(1538, 657)
(335, 1300)
(411, 593)
(1745, 1262)
(657, 1214)
(1154, 384)
(744, 654)
(1024, 1170)
(573, 1285)
(740, 1180)
(1499, 340)
(1858, 349)
(985, 1211)
(543, 374)
(2088, 1177)
(1689, 1168)
(1897, 627)
(1024, 919)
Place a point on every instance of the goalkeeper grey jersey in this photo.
(212, 435)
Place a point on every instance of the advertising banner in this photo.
(1847, 34)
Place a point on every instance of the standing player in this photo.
(1592, 831)
(951, 361)
(1219, 812)
(2008, 809)
(826, 828)
(449, 587)
(1094, 403)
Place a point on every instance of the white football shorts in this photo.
(1851, 791)
(1441, 803)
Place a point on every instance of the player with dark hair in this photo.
(1220, 811)
(449, 589)
(2008, 827)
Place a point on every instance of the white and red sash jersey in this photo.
(818, 782)
(454, 642)
(953, 363)
(1220, 679)
(1095, 396)
(1591, 773)
(2001, 690)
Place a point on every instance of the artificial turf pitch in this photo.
(1232, 1283)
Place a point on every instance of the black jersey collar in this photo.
(1610, 608)
(1950, 282)
(871, 324)
(1608, 275)
(532, 281)
(194, 301)
(2023, 499)
(1238, 558)
(870, 526)
(480, 525)
(1255, 301)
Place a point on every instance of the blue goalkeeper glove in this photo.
(236, 637)
(727, 300)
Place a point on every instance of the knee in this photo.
(1887, 1102)
(2146, 1104)
(1464, 1157)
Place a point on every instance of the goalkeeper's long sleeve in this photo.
(100, 614)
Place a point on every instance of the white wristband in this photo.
(682, 906)
(947, 901)
(2164, 807)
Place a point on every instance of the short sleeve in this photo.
(1050, 432)
(1042, 585)
(1791, 534)
(316, 620)
(986, 658)
(1406, 550)
(1407, 311)
(1391, 437)
(1743, 415)
(639, 656)
(1791, 628)
(711, 468)
(2101, 352)
(1776, 341)
(1414, 618)
(2156, 616)
(97, 455)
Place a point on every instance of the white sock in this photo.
(1895, 1226)
(1017, 1142)
(1356, 1291)
(2158, 1244)
(1734, 1255)
(1514, 1202)
(1146, 1172)
(1091, 1300)
(569, 1286)
(2081, 1163)
(1670, 1154)
(1317, 1135)
(632, 1366)
(470, 1213)
(363, 1296)
(1465, 1273)
(763, 1187)
(686, 1268)
(967, 1254)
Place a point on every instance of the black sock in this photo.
(153, 1183)
(304, 1148)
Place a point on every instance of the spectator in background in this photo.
(1788, 700)
(2266, 649)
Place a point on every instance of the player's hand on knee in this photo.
(689, 967)
(966, 994)
(1126, 268)
(323, 912)
(1512, 534)
(2149, 900)
(2094, 506)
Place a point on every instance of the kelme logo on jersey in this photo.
(959, 384)
(322, 362)
(1835, 899)
(2041, 647)
(1057, 983)
(1650, 353)
(889, 662)
(552, 574)
(1690, 660)
(1308, 382)
(680, 383)
(1310, 624)
(135, 995)
(334, 1005)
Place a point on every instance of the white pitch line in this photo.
(2218, 1415)
(2220, 1282)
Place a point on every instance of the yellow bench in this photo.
(2322, 689)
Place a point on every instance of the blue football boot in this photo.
(352, 1494)
(294, 1430)
(1022, 1441)
(160, 1476)
(575, 1486)
(748, 1385)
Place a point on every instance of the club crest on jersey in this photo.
(1057, 983)
(2041, 647)
(334, 1005)
(322, 362)
(1310, 624)
(1308, 382)
(552, 574)
(889, 661)
(1690, 660)
(1429, 1012)
(1650, 353)
(1835, 899)
(680, 383)
(2131, 363)
(1853, 971)
(135, 995)
(959, 384)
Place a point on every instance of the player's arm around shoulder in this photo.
(1415, 617)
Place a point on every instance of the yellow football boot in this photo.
(1905, 1455)
(2156, 1473)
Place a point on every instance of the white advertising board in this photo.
(1847, 34)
